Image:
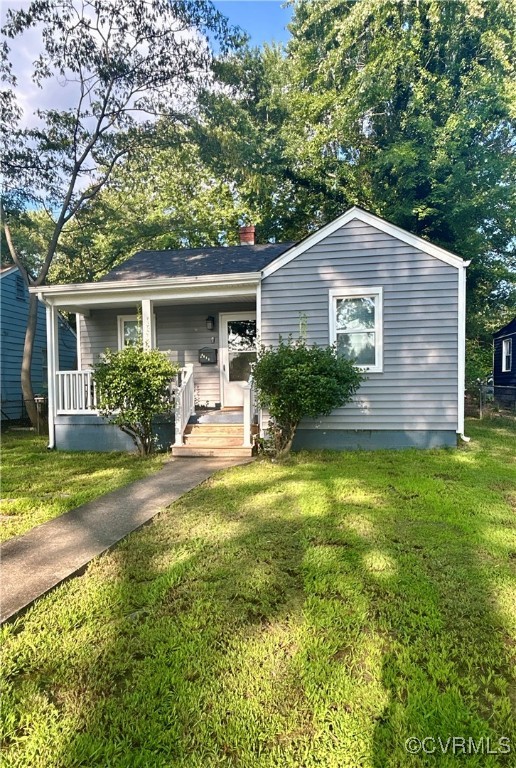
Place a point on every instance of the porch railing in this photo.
(250, 412)
(75, 392)
(185, 401)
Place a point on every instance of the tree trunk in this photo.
(28, 349)
(287, 443)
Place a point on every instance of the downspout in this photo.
(461, 351)
(51, 377)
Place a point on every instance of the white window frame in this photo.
(375, 293)
(122, 319)
(506, 353)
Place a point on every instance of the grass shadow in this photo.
(317, 612)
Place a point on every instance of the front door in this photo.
(237, 353)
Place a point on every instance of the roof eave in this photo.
(88, 294)
(8, 271)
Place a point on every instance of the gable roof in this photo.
(196, 262)
(506, 330)
(356, 213)
(8, 269)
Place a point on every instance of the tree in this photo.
(404, 108)
(132, 389)
(295, 380)
(126, 61)
(411, 104)
(162, 197)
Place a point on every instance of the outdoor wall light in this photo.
(210, 323)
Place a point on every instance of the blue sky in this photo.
(263, 20)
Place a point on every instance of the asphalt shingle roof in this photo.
(194, 262)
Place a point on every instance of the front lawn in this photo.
(38, 484)
(318, 612)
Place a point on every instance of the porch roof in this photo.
(81, 297)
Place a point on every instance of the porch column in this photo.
(78, 319)
(147, 324)
(52, 368)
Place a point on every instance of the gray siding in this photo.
(418, 387)
(373, 440)
(89, 432)
(180, 331)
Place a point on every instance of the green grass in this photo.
(317, 612)
(38, 485)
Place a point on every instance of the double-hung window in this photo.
(506, 355)
(128, 331)
(356, 326)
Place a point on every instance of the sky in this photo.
(263, 20)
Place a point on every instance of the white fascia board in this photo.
(505, 336)
(206, 286)
(374, 221)
(8, 271)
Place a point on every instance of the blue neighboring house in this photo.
(14, 303)
(504, 364)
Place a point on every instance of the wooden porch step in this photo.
(218, 429)
(215, 439)
(198, 451)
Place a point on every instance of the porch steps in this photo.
(191, 451)
(214, 440)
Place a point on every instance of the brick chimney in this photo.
(247, 235)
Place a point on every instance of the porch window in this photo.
(506, 355)
(356, 326)
(128, 331)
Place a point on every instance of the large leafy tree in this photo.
(123, 62)
(411, 106)
(405, 108)
(162, 196)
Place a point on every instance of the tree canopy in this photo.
(125, 63)
(404, 108)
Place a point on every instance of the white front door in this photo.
(237, 353)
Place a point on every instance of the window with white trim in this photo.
(129, 331)
(356, 326)
(506, 355)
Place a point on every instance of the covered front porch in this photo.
(209, 327)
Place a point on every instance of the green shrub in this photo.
(295, 380)
(133, 388)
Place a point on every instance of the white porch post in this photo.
(52, 367)
(247, 443)
(147, 324)
(78, 319)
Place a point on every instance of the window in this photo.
(506, 355)
(130, 330)
(20, 289)
(356, 326)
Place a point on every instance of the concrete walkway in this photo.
(37, 561)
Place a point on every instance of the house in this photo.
(14, 302)
(504, 364)
(391, 300)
